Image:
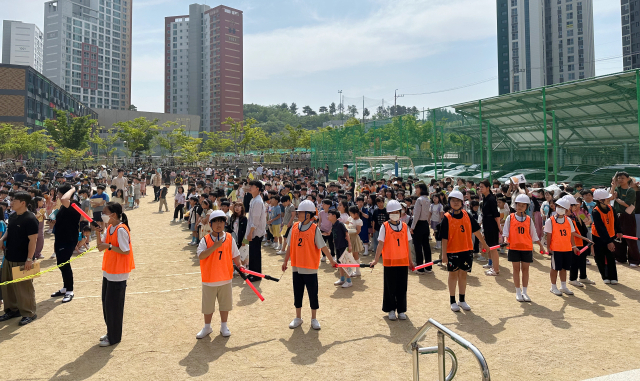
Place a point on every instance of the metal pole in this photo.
(638, 100)
(435, 148)
(441, 365)
(481, 158)
(555, 147)
(489, 151)
(442, 140)
(546, 152)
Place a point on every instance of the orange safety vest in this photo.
(218, 267)
(115, 263)
(304, 252)
(560, 235)
(520, 234)
(608, 222)
(579, 242)
(459, 239)
(395, 251)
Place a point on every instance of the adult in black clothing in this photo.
(66, 239)
(490, 224)
(247, 199)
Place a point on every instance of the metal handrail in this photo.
(413, 349)
(452, 356)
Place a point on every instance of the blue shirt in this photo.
(273, 213)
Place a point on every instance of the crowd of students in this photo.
(308, 221)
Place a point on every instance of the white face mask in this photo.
(561, 211)
(106, 218)
(394, 217)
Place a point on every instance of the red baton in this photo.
(427, 264)
(630, 237)
(82, 213)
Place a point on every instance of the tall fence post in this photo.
(442, 139)
(435, 147)
(489, 151)
(480, 118)
(555, 147)
(638, 100)
(546, 149)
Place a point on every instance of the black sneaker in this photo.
(26, 320)
(67, 298)
(9, 315)
(58, 294)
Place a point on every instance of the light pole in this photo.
(395, 102)
(340, 104)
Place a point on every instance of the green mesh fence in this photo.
(591, 133)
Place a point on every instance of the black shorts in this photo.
(460, 261)
(520, 256)
(339, 253)
(561, 260)
(491, 237)
(286, 235)
(97, 216)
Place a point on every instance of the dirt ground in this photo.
(560, 338)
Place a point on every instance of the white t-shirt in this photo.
(548, 228)
(396, 228)
(532, 228)
(202, 246)
(435, 210)
(123, 241)
(344, 218)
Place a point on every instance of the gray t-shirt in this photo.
(319, 241)
(288, 214)
(86, 204)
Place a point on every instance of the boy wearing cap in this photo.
(457, 248)
(304, 245)
(604, 230)
(519, 230)
(217, 252)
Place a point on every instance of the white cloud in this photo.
(398, 31)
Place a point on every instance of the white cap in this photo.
(523, 199)
(572, 200)
(601, 194)
(306, 206)
(393, 206)
(564, 203)
(216, 214)
(456, 194)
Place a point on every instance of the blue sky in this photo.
(305, 51)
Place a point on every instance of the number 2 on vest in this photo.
(299, 241)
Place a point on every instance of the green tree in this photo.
(323, 109)
(138, 133)
(69, 132)
(67, 156)
(308, 111)
(16, 141)
(242, 134)
(132, 107)
(293, 108)
(332, 108)
(365, 112)
(352, 111)
(174, 140)
(294, 137)
(190, 151)
(105, 141)
(217, 141)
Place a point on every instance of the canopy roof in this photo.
(600, 110)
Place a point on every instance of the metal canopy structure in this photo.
(593, 112)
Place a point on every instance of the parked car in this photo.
(603, 175)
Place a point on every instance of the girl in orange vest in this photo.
(519, 230)
(217, 252)
(578, 262)
(457, 248)
(117, 263)
(394, 236)
(304, 247)
(603, 230)
(560, 234)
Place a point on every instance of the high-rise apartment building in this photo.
(630, 34)
(543, 42)
(21, 44)
(87, 50)
(203, 65)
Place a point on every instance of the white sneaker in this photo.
(519, 298)
(53, 256)
(588, 261)
(402, 316)
(295, 323)
(464, 306)
(576, 283)
(281, 252)
(347, 284)
(338, 282)
(204, 332)
(526, 297)
(487, 266)
(482, 259)
(392, 315)
(490, 272)
(633, 265)
(555, 291)
(174, 220)
(455, 308)
(324, 259)
(613, 281)
(607, 281)
(276, 247)
(103, 338)
(587, 281)
(105, 343)
(224, 331)
(315, 324)
(566, 291)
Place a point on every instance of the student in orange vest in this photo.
(578, 262)
(520, 232)
(117, 263)
(561, 245)
(457, 248)
(603, 230)
(396, 258)
(217, 252)
(304, 247)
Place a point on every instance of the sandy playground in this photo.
(553, 338)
